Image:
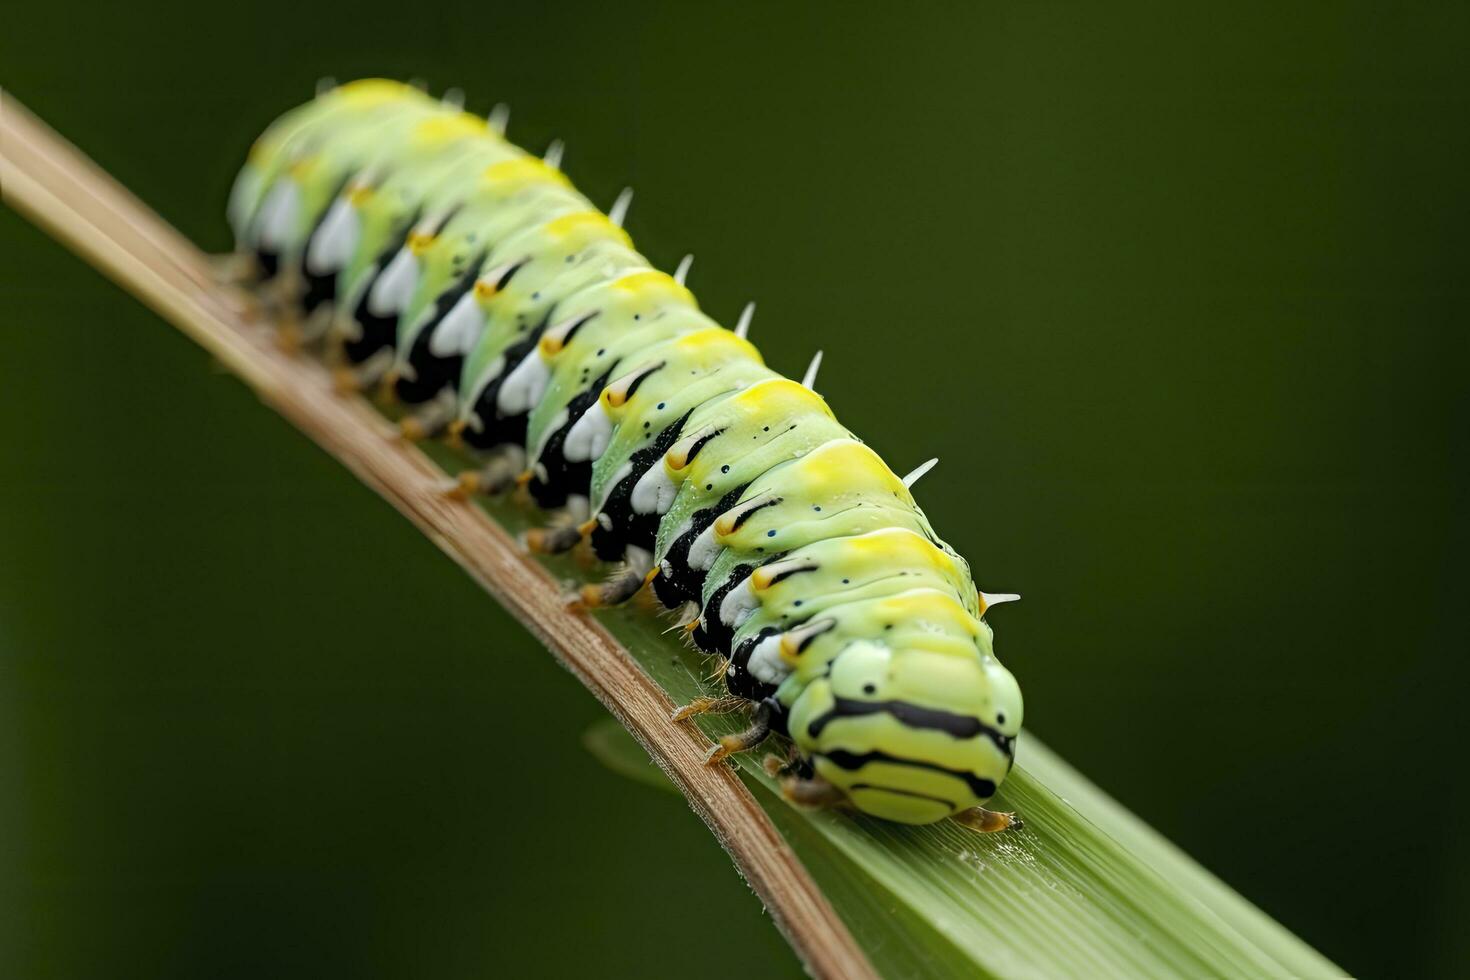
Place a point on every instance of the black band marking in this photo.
(745, 515)
(507, 275)
(852, 761)
(914, 716)
(806, 641)
(638, 381)
(783, 576)
(903, 792)
(698, 445)
(566, 338)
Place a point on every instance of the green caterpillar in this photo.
(427, 255)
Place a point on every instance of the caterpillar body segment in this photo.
(340, 153)
(500, 296)
(460, 271)
(841, 489)
(341, 122)
(481, 287)
(381, 281)
(579, 365)
(500, 381)
(647, 410)
(426, 251)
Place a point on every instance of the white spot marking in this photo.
(335, 240)
(394, 288)
(766, 663)
(739, 604)
(589, 435)
(655, 490)
(278, 213)
(525, 384)
(460, 328)
(704, 549)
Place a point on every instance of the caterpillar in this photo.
(426, 256)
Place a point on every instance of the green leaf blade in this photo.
(1084, 889)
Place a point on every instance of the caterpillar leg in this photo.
(564, 533)
(290, 332)
(617, 589)
(363, 376)
(793, 765)
(429, 419)
(708, 706)
(280, 293)
(237, 270)
(553, 540)
(727, 746)
(317, 325)
(985, 821)
(623, 584)
(813, 792)
(496, 476)
(234, 268)
(385, 391)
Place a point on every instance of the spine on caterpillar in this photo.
(421, 253)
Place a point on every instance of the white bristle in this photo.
(810, 378)
(619, 209)
(499, 117)
(918, 471)
(742, 326)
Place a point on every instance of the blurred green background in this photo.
(1178, 298)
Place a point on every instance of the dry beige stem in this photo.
(49, 181)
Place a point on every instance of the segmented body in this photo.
(474, 279)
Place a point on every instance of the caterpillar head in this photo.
(912, 734)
